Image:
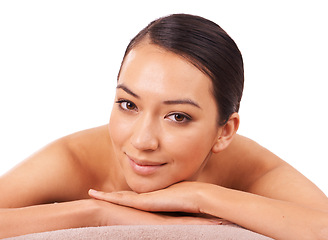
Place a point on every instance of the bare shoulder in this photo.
(93, 150)
(57, 172)
(250, 167)
(242, 163)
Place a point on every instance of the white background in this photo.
(59, 61)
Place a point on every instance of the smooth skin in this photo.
(162, 151)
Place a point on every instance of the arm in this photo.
(50, 175)
(274, 218)
(47, 217)
(83, 213)
(57, 174)
(272, 197)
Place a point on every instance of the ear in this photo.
(226, 133)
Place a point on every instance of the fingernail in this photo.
(92, 191)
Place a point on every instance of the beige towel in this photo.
(133, 232)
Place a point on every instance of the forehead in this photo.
(149, 67)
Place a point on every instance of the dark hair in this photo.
(208, 47)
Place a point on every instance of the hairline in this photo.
(146, 39)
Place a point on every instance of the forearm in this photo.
(48, 217)
(274, 218)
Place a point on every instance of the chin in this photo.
(146, 186)
(144, 189)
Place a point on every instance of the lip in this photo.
(144, 167)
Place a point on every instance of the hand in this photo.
(180, 197)
(111, 214)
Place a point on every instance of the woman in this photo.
(171, 146)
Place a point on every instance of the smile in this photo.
(142, 167)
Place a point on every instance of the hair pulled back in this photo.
(208, 47)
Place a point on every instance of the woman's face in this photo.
(163, 125)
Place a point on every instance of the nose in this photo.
(145, 134)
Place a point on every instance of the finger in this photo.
(144, 201)
(224, 222)
(205, 221)
(127, 198)
(196, 221)
(154, 202)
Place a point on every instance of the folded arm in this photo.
(268, 196)
(58, 174)
(47, 217)
(274, 218)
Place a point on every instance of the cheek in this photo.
(118, 129)
(190, 150)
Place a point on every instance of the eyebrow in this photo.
(127, 90)
(167, 102)
(182, 101)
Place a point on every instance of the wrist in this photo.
(86, 213)
(204, 197)
(92, 213)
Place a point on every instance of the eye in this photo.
(127, 105)
(179, 117)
